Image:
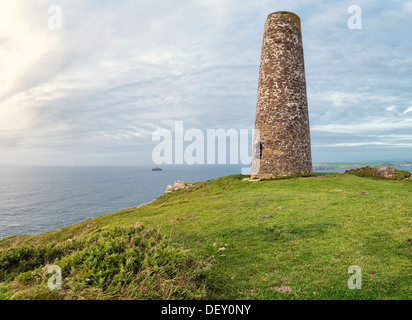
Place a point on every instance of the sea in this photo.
(38, 199)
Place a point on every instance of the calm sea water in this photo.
(39, 199)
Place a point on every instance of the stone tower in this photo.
(282, 110)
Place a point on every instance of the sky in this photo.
(93, 91)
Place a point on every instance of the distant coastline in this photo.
(355, 165)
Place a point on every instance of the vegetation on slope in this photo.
(381, 173)
(117, 263)
(274, 239)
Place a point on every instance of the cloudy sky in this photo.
(94, 91)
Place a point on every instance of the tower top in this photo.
(289, 14)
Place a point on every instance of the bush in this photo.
(382, 173)
(24, 259)
(111, 264)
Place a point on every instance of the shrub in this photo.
(115, 263)
(383, 173)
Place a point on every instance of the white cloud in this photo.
(372, 144)
(408, 7)
(372, 125)
(116, 71)
(22, 44)
(408, 110)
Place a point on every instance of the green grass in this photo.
(301, 234)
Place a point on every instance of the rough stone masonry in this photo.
(282, 115)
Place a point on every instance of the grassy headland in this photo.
(274, 239)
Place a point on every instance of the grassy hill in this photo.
(230, 239)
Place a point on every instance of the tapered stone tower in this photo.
(282, 116)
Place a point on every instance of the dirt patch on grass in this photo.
(180, 219)
(282, 289)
